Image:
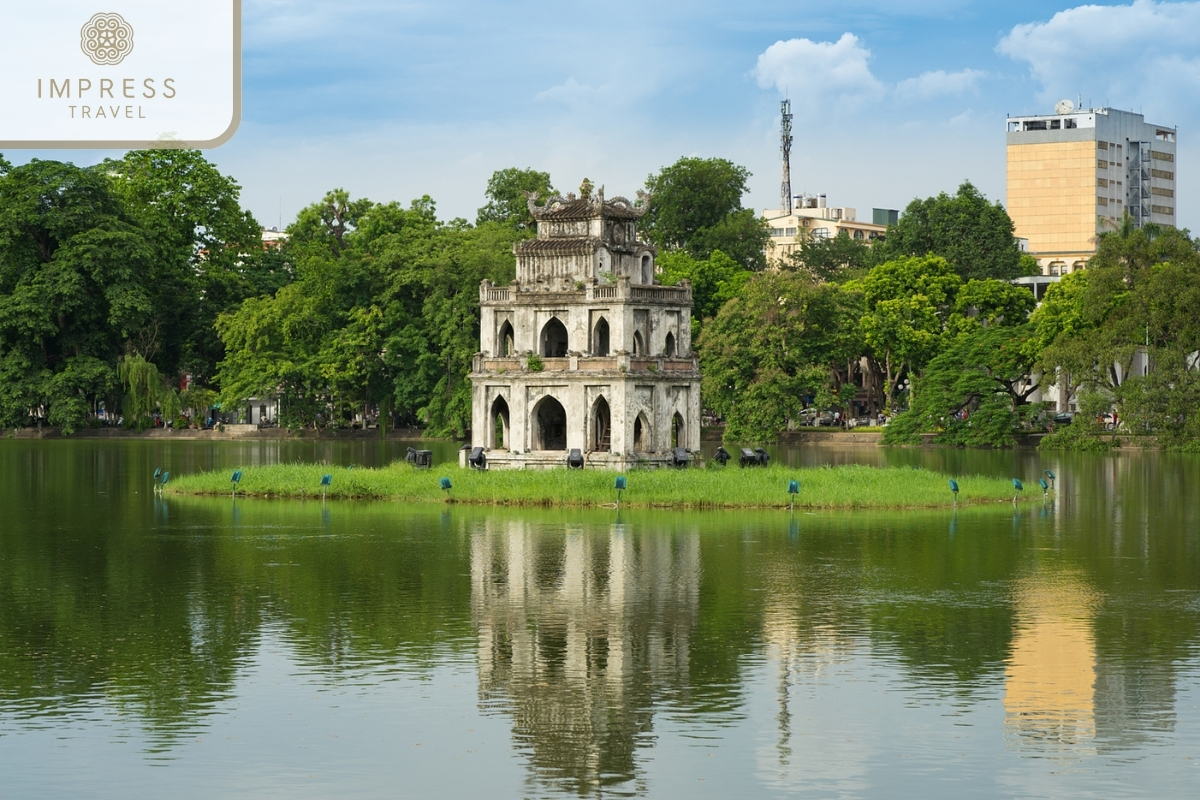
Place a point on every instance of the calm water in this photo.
(212, 648)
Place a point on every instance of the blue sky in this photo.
(893, 99)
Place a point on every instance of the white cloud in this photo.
(940, 83)
(1130, 56)
(816, 71)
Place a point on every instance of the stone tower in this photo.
(585, 350)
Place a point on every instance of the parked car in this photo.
(815, 417)
(1063, 418)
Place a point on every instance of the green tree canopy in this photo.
(771, 346)
(696, 206)
(506, 196)
(975, 236)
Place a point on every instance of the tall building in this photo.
(1076, 173)
(584, 350)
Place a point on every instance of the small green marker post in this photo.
(954, 488)
(235, 479)
(1045, 488)
(619, 485)
(166, 476)
(1050, 475)
(793, 490)
(326, 482)
(446, 487)
(1019, 487)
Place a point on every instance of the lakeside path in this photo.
(844, 487)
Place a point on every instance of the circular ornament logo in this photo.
(106, 39)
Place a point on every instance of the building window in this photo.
(820, 233)
(1102, 145)
(777, 232)
(1157, 156)
(1161, 192)
(1102, 181)
(1035, 125)
(1101, 201)
(789, 232)
(1164, 210)
(1055, 124)
(1162, 173)
(1101, 165)
(1069, 124)
(1165, 136)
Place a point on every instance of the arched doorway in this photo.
(549, 425)
(600, 338)
(638, 346)
(499, 427)
(678, 434)
(669, 346)
(554, 339)
(601, 427)
(504, 340)
(641, 434)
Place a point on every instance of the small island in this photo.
(841, 487)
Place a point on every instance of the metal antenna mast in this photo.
(785, 147)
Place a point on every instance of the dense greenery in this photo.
(696, 207)
(383, 313)
(141, 286)
(1124, 335)
(134, 256)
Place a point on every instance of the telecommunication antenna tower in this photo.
(785, 147)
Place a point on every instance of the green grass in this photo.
(820, 488)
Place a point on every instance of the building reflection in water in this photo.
(1050, 677)
(581, 630)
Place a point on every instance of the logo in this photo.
(106, 39)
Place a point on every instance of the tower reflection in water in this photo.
(581, 630)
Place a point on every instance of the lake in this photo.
(211, 647)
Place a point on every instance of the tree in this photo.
(975, 236)
(714, 281)
(696, 206)
(970, 393)
(207, 252)
(907, 303)
(505, 193)
(75, 275)
(771, 346)
(833, 258)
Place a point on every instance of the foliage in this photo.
(907, 303)
(715, 281)
(696, 206)
(505, 193)
(973, 235)
(970, 393)
(771, 346)
(386, 315)
(835, 258)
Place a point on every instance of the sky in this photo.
(893, 99)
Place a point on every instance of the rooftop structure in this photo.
(1076, 173)
(813, 218)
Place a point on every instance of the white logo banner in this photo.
(120, 73)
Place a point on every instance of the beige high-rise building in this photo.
(1076, 173)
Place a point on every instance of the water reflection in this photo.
(821, 645)
(1050, 677)
(579, 630)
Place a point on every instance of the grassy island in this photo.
(842, 487)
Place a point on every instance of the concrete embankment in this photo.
(226, 433)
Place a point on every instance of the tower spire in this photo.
(785, 147)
